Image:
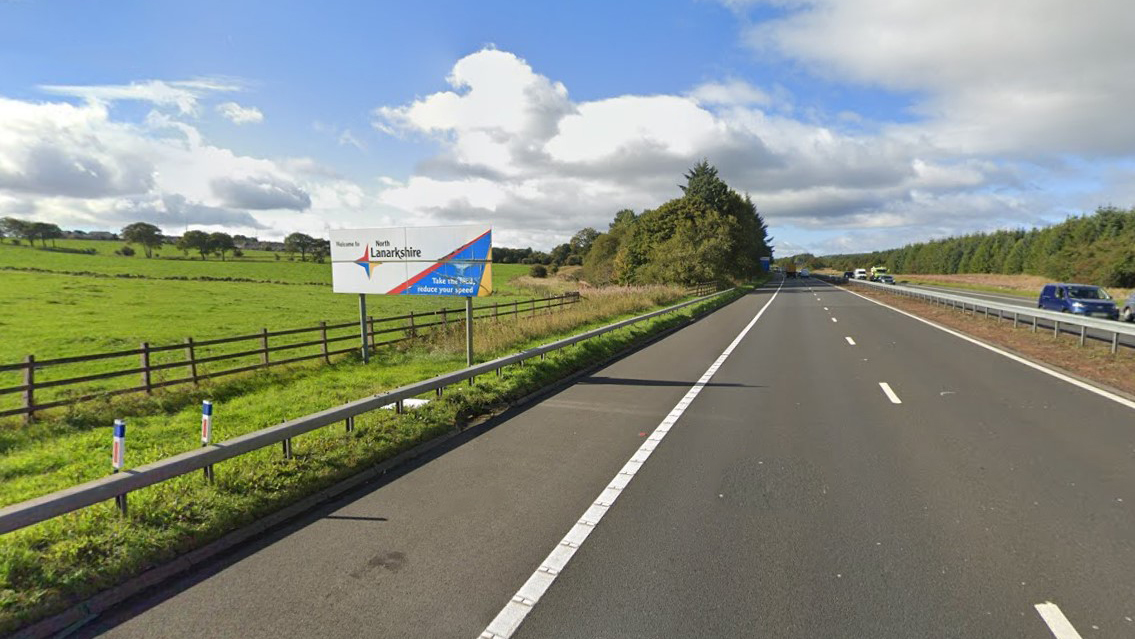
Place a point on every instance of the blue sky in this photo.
(853, 124)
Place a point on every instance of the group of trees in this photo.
(1097, 248)
(306, 244)
(206, 244)
(30, 231)
(711, 233)
(570, 253)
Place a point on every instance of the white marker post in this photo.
(118, 458)
(207, 433)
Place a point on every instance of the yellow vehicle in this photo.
(877, 271)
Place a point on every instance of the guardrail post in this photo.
(1034, 323)
(323, 337)
(146, 367)
(1056, 328)
(29, 389)
(191, 359)
(1016, 318)
(264, 347)
(1114, 343)
(286, 445)
(350, 422)
(1083, 334)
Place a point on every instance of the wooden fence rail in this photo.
(381, 331)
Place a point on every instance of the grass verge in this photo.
(47, 567)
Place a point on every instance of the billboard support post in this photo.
(468, 331)
(363, 326)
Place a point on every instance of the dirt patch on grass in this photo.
(1093, 361)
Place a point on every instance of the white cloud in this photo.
(238, 114)
(346, 138)
(75, 164)
(514, 149)
(730, 93)
(989, 76)
(62, 149)
(183, 94)
(551, 171)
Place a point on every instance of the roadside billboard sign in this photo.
(442, 261)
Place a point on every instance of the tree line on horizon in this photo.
(151, 239)
(1096, 248)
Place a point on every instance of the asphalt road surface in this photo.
(838, 469)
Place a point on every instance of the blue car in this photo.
(1081, 299)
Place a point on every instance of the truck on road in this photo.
(877, 271)
(790, 269)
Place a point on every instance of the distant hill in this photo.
(1098, 248)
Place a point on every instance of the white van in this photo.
(860, 273)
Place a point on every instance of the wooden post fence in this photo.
(323, 336)
(146, 381)
(29, 388)
(191, 359)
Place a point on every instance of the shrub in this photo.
(538, 270)
(125, 251)
(238, 253)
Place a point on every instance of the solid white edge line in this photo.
(890, 393)
(512, 615)
(1016, 358)
(1059, 625)
(850, 341)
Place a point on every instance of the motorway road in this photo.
(1024, 302)
(789, 494)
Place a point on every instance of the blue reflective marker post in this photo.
(118, 458)
(207, 433)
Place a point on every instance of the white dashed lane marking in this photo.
(1059, 625)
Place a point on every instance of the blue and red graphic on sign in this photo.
(459, 273)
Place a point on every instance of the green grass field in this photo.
(62, 313)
